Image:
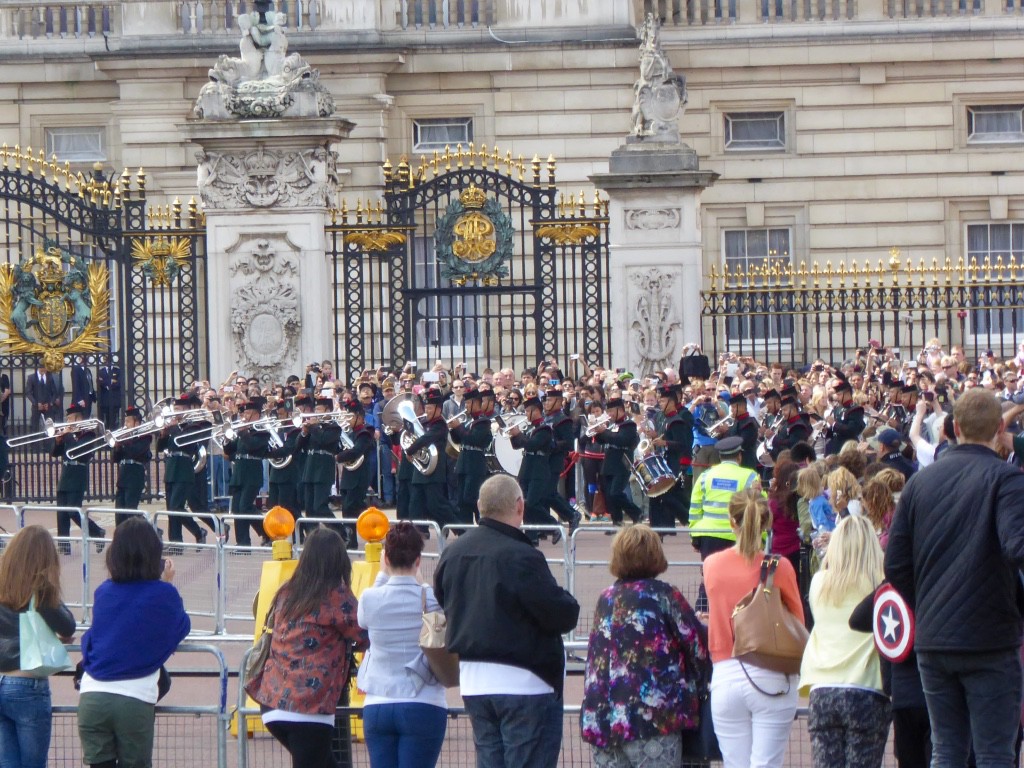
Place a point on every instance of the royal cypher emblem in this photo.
(473, 239)
(53, 305)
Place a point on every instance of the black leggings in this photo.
(309, 744)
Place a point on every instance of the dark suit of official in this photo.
(46, 391)
(109, 396)
(82, 389)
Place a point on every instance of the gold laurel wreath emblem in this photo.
(89, 340)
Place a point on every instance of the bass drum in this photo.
(510, 459)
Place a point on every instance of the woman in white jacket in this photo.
(405, 714)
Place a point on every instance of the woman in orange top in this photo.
(752, 708)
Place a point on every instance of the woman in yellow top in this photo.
(849, 714)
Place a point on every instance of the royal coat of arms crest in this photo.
(53, 305)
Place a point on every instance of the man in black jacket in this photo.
(955, 549)
(506, 616)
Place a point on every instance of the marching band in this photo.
(305, 441)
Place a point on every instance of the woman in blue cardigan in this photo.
(138, 621)
(405, 714)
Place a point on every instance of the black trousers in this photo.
(243, 502)
(178, 494)
(403, 496)
(912, 737)
(64, 518)
(557, 501)
(535, 498)
(619, 500)
(469, 494)
(318, 504)
(672, 506)
(284, 495)
(429, 501)
(309, 744)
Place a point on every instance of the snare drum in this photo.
(764, 455)
(654, 475)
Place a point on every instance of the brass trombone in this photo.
(342, 418)
(52, 430)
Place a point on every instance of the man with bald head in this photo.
(506, 617)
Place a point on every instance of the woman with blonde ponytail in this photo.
(849, 712)
(752, 708)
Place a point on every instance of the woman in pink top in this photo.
(752, 708)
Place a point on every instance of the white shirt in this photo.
(486, 678)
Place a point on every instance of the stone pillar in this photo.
(656, 252)
(267, 187)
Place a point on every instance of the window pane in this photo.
(75, 144)
(753, 249)
(437, 133)
(992, 241)
(995, 123)
(755, 130)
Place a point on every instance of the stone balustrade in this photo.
(54, 20)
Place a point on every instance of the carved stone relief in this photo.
(655, 320)
(653, 218)
(264, 178)
(265, 309)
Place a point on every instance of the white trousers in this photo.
(752, 728)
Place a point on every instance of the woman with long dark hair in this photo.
(782, 500)
(29, 569)
(307, 670)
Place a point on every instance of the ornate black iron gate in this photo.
(466, 261)
(146, 268)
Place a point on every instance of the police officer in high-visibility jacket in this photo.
(710, 530)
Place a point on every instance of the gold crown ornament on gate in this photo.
(473, 239)
(54, 305)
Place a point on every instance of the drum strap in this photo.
(570, 462)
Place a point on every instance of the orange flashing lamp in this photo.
(372, 527)
(279, 524)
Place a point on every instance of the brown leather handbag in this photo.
(443, 663)
(765, 633)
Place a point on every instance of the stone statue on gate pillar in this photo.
(267, 177)
(659, 93)
(654, 184)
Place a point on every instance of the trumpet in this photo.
(721, 425)
(594, 426)
(515, 421)
(460, 419)
(52, 429)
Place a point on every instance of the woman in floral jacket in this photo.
(646, 656)
(307, 670)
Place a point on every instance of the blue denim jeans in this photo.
(516, 731)
(24, 721)
(406, 735)
(972, 696)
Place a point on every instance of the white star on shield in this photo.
(891, 623)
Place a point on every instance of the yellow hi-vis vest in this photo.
(709, 502)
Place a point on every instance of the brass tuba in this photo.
(425, 460)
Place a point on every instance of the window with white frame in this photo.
(443, 322)
(755, 131)
(995, 124)
(750, 251)
(990, 314)
(75, 144)
(436, 133)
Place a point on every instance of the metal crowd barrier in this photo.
(185, 735)
(219, 579)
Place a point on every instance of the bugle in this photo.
(515, 421)
(721, 425)
(599, 424)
